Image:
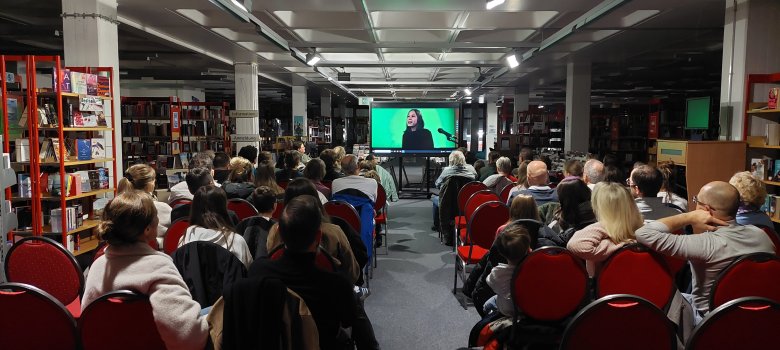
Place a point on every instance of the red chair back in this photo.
(504, 194)
(322, 260)
(477, 199)
(752, 275)
(45, 264)
(174, 234)
(466, 191)
(381, 198)
(278, 211)
(633, 323)
(744, 323)
(485, 222)
(345, 211)
(180, 201)
(33, 319)
(242, 208)
(99, 330)
(773, 236)
(636, 270)
(550, 284)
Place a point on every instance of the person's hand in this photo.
(703, 219)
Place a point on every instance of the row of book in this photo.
(765, 168)
(199, 146)
(145, 129)
(76, 183)
(202, 113)
(140, 148)
(203, 128)
(770, 205)
(84, 83)
(74, 217)
(146, 109)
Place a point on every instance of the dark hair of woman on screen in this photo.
(416, 136)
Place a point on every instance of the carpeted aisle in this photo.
(411, 302)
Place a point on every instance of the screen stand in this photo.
(411, 191)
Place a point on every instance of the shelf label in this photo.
(244, 138)
(365, 101)
(90, 104)
(244, 114)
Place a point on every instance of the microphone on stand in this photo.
(441, 131)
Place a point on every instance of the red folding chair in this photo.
(174, 234)
(675, 264)
(744, 323)
(504, 194)
(380, 207)
(633, 323)
(344, 210)
(322, 260)
(636, 270)
(476, 199)
(33, 319)
(773, 236)
(99, 330)
(463, 196)
(482, 231)
(751, 275)
(180, 201)
(278, 211)
(242, 208)
(45, 264)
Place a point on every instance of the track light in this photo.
(481, 99)
(312, 59)
(493, 3)
(541, 106)
(511, 60)
(467, 91)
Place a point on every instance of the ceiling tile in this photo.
(341, 36)
(508, 20)
(413, 35)
(494, 35)
(350, 57)
(303, 5)
(410, 57)
(414, 20)
(333, 20)
(466, 56)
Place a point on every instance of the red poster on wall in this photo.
(652, 126)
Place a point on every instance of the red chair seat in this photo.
(380, 219)
(477, 253)
(464, 236)
(460, 221)
(74, 308)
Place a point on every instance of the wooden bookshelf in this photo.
(80, 162)
(87, 245)
(772, 183)
(79, 128)
(87, 224)
(763, 111)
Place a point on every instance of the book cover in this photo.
(92, 84)
(22, 150)
(757, 168)
(75, 184)
(46, 153)
(25, 185)
(84, 149)
(79, 82)
(84, 177)
(66, 85)
(103, 176)
(185, 162)
(772, 205)
(94, 179)
(78, 119)
(776, 170)
(98, 148)
(103, 86)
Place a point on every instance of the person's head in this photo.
(526, 154)
(197, 178)
(209, 209)
(299, 187)
(610, 159)
(349, 165)
(339, 153)
(372, 174)
(667, 171)
(462, 150)
(365, 165)
(201, 160)
(613, 174)
(523, 207)
(493, 157)
(513, 243)
(139, 177)
(479, 164)
(572, 167)
(593, 171)
(240, 170)
(504, 166)
(522, 173)
(720, 198)
(299, 146)
(265, 157)
(249, 153)
(291, 160)
(299, 224)
(129, 218)
(616, 211)
(645, 181)
(414, 120)
(265, 175)
(547, 161)
(752, 191)
(457, 158)
(572, 194)
(209, 153)
(221, 161)
(314, 170)
(537, 173)
(264, 200)
(329, 158)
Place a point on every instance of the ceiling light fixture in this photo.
(467, 91)
(312, 59)
(541, 106)
(234, 8)
(511, 60)
(493, 3)
(240, 5)
(481, 99)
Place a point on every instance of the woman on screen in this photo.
(416, 137)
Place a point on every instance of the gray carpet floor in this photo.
(411, 303)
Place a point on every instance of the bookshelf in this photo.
(541, 129)
(147, 136)
(7, 217)
(205, 126)
(68, 143)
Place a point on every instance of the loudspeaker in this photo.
(344, 76)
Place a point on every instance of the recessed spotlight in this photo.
(541, 106)
(512, 60)
(491, 3)
(467, 91)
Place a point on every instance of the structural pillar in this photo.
(299, 128)
(326, 104)
(749, 47)
(491, 133)
(577, 107)
(90, 40)
(520, 104)
(247, 100)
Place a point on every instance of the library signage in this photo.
(244, 114)
(244, 138)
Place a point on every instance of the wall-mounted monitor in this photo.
(408, 128)
(697, 113)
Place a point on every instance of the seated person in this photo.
(593, 172)
(195, 179)
(512, 243)
(457, 167)
(645, 182)
(752, 194)
(328, 295)
(713, 250)
(572, 169)
(300, 147)
(265, 176)
(385, 178)
(490, 168)
(249, 153)
(538, 179)
(141, 177)
(255, 229)
(496, 182)
(315, 171)
(181, 189)
(332, 169)
(617, 221)
(210, 222)
(292, 162)
(221, 170)
(352, 181)
(575, 210)
(667, 188)
(128, 222)
(239, 183)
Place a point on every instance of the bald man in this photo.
(713, 250)
(593, 173)
(538, 180)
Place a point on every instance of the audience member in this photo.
(292, 160)
(613, 174)
(593, 173)
(328, 295)
(669, 184)
(469, 156)
(526, 155)
(610, 159)
(572, 169)
(478, 165)
(575, 211)
(256, 229)
(221, 171)
(249, 153)
(128, 222)
(300, 147)
(513, 243)
(352, 181)
(338, 154)
(265, 176)
(195, 179)
(522, 175)
(386, 179)
(497, 182)
(490, 168)
(710, 252)
(538, 179)
(457, 167)
(617, 221)
(265, 157)
(199, 160)
(332, 171)
(210, 222)
(239, 183)
(361, 193)
(752, 194)
(141, 177)
(315, 171)
(645, 182)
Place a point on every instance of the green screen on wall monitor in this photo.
(697, 113)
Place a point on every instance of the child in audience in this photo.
(128, 222)
(141, 177)
(255, 229)
(210, 222)
(513, 243)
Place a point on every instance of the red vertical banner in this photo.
(175, 127)
(652, 126)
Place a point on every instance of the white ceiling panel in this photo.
(275, 56)
(508, 20)
(414, 20)
(350, 57)
(494, 35)
(470, 56)
(340, 36)
(411, 76)
(410, 57)
(409, 70)
(355, 70)
(333, 20)
(303, 5)
(413, 36)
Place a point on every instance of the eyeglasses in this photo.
(698, 202)
(630, 183)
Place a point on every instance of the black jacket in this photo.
(207, 268)
(238, 189)
(448, 204)
(255, 230)
(183, 211)
(421, 139)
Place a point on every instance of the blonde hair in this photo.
(137, 177)
(616, 210)
(752, 191)
(338, 154)
(523, 207)
(240, 170)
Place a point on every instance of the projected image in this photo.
(412, 128)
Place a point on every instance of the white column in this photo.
(90, 40)
(577, 107)
(749, 47)
(246, 99)
(492, 122)
(521, 103)
(299, 109)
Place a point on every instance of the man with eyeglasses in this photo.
(645, 182)
(709, 252)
